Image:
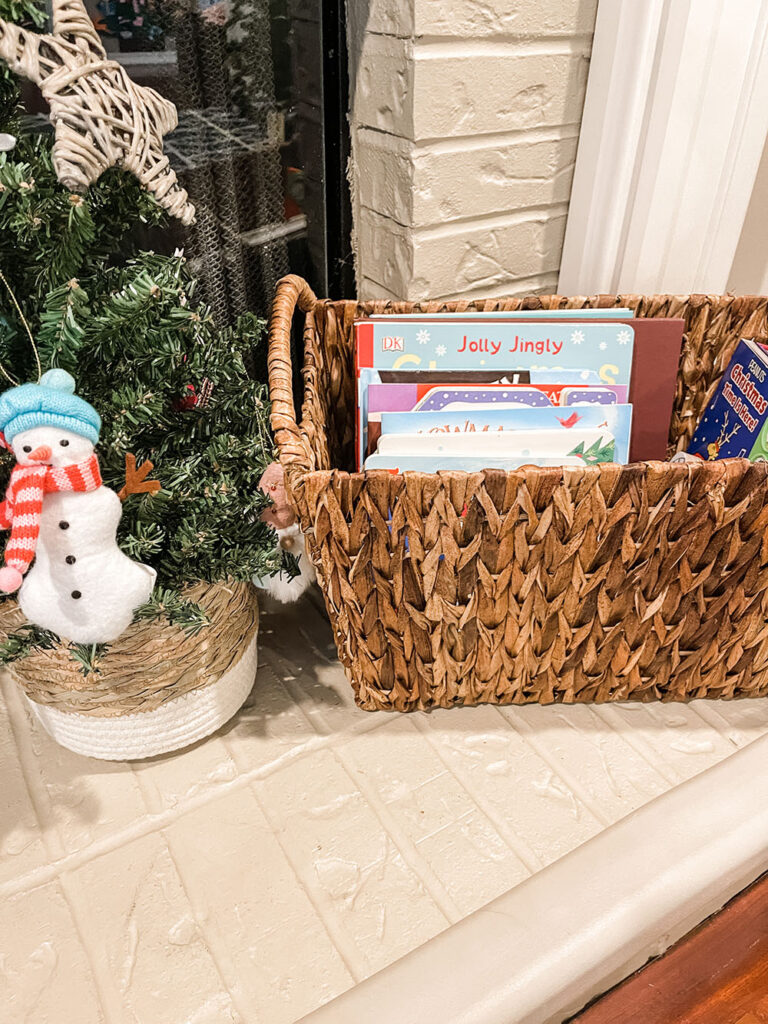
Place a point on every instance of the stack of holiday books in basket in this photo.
(471, 391)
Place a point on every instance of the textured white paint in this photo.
(308, 844)
(423, 184)
(538, 953)
(463, 113)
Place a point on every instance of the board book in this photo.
(735, 423)
(589, 434)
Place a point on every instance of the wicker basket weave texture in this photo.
(151, 664)
(647, 581)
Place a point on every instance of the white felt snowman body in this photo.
(81, 585)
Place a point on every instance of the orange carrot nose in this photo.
(41, 454)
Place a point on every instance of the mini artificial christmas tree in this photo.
(172, 390)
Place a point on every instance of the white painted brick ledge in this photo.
(468, 18)
(309, 844)
(465, 123)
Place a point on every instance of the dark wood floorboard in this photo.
(718, 974)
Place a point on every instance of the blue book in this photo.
(735, 422)
(503, 345)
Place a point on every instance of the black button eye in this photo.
(76, 594)
(27, 448)
(70, 559)
(63, 525)
(64, 444)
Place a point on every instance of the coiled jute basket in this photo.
(157, 688)
(646, 582)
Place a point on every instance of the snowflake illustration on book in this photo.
(577, 337)
(422, 337)
(440, 350)
(623, 337)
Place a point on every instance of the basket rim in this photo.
(293, 292)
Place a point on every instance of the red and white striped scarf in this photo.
(24, 503)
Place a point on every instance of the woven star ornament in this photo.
(101, 118)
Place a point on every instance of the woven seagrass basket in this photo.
(644, 582)
(157, 688)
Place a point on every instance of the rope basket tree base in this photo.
(157, 688)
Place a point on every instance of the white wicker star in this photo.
(101, 118)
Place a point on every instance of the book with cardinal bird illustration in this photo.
(580, 435)
(735, 423)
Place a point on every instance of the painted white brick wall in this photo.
(465, 119)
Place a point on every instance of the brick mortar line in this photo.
(347, 951)
(716, 720)
(323, 907)
(237, 997)
(515, 843)
(150, 800)
(487, 221)
(527, 284)
(611, 717)
(402, 842)
(522, 286)
(428, 48)
(528, 734)
(477, 218)
(490, 221)
(478, 140)
(524, 43)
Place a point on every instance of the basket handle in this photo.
(292, 291)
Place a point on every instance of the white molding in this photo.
(675, 120)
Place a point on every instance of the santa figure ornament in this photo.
(81, 585)
(282, 518)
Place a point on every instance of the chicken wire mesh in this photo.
(226, 151)
(245, 77)
(214, 61)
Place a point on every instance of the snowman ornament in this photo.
(81, 585)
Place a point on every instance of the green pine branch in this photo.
(88, 657)
(169, 385)
(178, 610)
(24, 641)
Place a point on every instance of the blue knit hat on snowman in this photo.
(51, 403)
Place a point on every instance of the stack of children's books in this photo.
(472, 391)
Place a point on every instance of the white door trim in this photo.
(675, 119)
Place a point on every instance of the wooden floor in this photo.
(718, 974)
